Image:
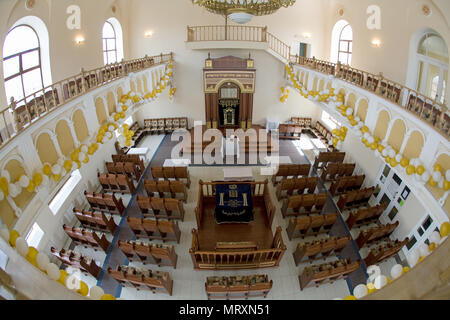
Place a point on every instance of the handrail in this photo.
(20, 114)
(430, 111)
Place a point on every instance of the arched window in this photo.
(432, 57)
(112, 41)
(22, 69)
(342, 43)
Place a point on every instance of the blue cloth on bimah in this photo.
(234, 203)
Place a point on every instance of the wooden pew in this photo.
(334, 171)
(290, 131)
(345, 184)
(161, 255)
(319, 249)
(163, 187)
(291, 170)
(165, 125)
(139, 133)
(384, 252)
(238, 287)
(130, 169)
(87, 238)
(105, 203)
(141, 279)
(303, 204)
(324, 158)
(304, 122)
(300, 185)
(310, 225)
(120, 183)
(161, 208)
(176, 173)
(96, 220)
(366, 215)
(354, 199)
(134, 158)
(155, 229)
(78, 261)
(375, 233)
(327, 273)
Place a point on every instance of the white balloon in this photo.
(4, 233)
(380, 282)
(426, 176)
(413, 258)
(14, 190)
(349, 111)
(435, 237)
(398, 158)
(396, 271)
(24, 181)
(84, 149)
(413, 162)
(338, 299)
(366, 135)
(391, 153)
(437, 176)
(441, 182)
(357, 119)
(384, 153)
(45, 180)
(424, 250)
(96, 293)
(447, 175)
(111, 128)
(21, 246)
(360, 291)
(60, 162)
(371, 140)
(5, 174)
(53, 271)
(82, 156)
(56, 169)
(42, 261)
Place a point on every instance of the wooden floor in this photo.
(257, 231)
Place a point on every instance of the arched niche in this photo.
(363, 105)
(305, 83)
(132, 86)
(7, 214)
(414, 145)
(16, 170)
(321, 85)
(119, 92)
(329, 85)
(444, 161)
(145, 82)
(80, 125)
(153, 80)
(342, 91)
(64, 136)
(351, 101)
(315, 83)
(100, 110)
(111, 101)
(397, 134)
(382, 124)
(46, 149)
(302, 74)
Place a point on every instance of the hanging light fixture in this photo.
(242, 11)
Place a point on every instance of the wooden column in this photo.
(208, 110)
(249, 110)
(243, 111)
(215, 110)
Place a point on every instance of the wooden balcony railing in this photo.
(20, 114)
(430, 111)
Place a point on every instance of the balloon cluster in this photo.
(172, 92)
(15, 188)
(126, 135)
(339, 136)
(164, 81)
(416, 256)
(284, 94)
(42, 262)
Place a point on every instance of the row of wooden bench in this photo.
(354, 199)
(165, 125)
(287, 187)
(384, 252)
(291, 170)
(303, 204)
(119, 183)
(142, 279)
(238, 287)
(176, 173)
(155, 229)
(96, 221)
(159, 254)
(335, 171)
(365, 215)
(87, 238)
(324, 158)
(375, 234)
(163, 187)
(290, 131)
(322, 133)
(310, 225)
(78, 261)
(304, 122)
(161, 208)
(346, 184)
(319, 249)
(105, 203)
(131, 169)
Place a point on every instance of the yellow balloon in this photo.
(371, 288)
(350, 298)
(432, 246)
(56, 177)
(410, 170)
(47, 170)
(31, 255)
(13, 235)
(445, 229)
(374, 146)
(432, 183)
(116, 117)
(446, 185)
(388, 280)
(108, 297)
(364, 129)
(405, 270)
(62, 277)
(78, 164)
(91, 150)
(393, 163)
(420, 170)
(84, 289)
(420, 259)
(380, 148)
(128, 143)
(37, 179)
(124, 108)
(68, 165)
(437, 167)
(404, 162)
(74, 156)
(86, 160)
(30, 188)
(335, 132)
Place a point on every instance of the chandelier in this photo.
(242, 11)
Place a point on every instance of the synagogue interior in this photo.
(224, 149)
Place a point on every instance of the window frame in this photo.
(348, 43)
(22, 72)
(105, 44)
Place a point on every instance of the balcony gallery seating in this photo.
(310, 225)
(169, 173)
(78, 261)
(163, 187)
(165, 125)
(322, 133)
(355, 199)
(238, 287)
(287, 187)
(131, 169)
(291, 170)
(142, 279)
(155, 229)
(116, 183)
(303, 204)
(306, 123)
(139, 133)
(365, 215)
(161, 208)
(324, 158)
(384, 252)
(319, 249)
(346, 184)
(87, 238)
(96, 221)
(335, 171)
(159, 254)
(105, 203)
(375, 234)
(290, 131)
(327, 273)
